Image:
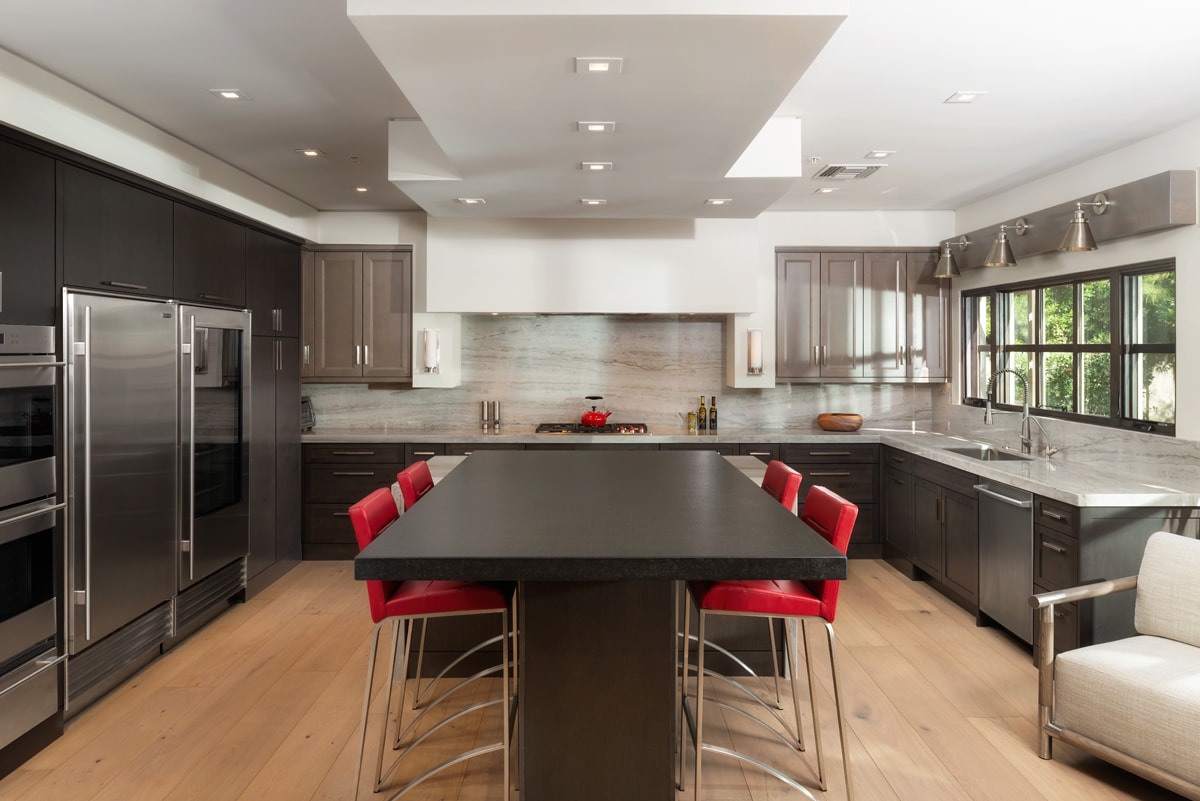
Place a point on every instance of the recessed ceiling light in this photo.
(592, 201)
(595, 166)
(598, 65)
(311, 152)
(718, 201)
(964, 97)
(826, 190)
(361, 189)
(470, 201)
(879, 154)
(230, 94)
(597, 127)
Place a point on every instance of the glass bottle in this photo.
(702, 416)
(712, 414)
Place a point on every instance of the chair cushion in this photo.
(764, 597)
(1168, 594)
(434, 597)
(1139, 695)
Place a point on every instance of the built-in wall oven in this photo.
(30, 552)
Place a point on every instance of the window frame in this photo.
(1119, 348)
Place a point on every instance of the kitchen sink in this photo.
(987, 454)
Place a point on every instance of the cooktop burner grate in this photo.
(578, 428)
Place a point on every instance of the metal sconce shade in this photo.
(947, 267)
(1079, 234)
(754, 351)
(1001, 254)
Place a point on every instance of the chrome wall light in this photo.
(1079, 234)
(1001, 254)
(432, 350)
(754, 351)
(947, 267)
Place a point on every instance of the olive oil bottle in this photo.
(712, 414)
(702, 415)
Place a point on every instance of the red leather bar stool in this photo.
(401, 602)
(415, 481)
(803, 601)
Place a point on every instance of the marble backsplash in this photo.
(648, 369)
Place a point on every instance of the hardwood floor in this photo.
(264, 704)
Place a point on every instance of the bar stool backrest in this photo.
(782, 483)
(831, 516)
(370, 516)
(414, 480)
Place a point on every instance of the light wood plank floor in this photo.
(264, 704)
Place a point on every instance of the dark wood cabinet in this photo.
(27, 285)
(335, 476)
(361, 316)
(898, 507)
(850, 470)
(763, 451)
(273, 285)
(210, 258)
(114, 237)
(944, 537)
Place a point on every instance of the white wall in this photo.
(1177, 149)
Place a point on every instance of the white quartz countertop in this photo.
(1075, 483)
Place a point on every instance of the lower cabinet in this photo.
(335, 476)
(932, 521)
(851, 471)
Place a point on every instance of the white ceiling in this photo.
(497, 98)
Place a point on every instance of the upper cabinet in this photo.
(209, 258)
(27, 292)
(860, 317)
(273, 285)
(114, 236)
(360, 307)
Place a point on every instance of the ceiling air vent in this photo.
(845, 172)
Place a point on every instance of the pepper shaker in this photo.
(485, 413)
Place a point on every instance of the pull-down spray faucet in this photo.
(1026, 440)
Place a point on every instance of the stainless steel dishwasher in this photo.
(1006, 557)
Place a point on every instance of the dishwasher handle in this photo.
(1019, 503)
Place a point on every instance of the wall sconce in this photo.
(1079, 234)
(754, 351)
(1001, 254)
(432, 349)
(947, 267)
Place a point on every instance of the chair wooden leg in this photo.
(841, 717)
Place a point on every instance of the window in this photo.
(1098, 348)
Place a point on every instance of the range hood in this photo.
(570, 266)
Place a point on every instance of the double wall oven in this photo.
(30, 544)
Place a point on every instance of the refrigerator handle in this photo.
(189, 449)
(87, 473)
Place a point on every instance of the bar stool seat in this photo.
(762, 597)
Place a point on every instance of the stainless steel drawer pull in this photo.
(124, 285)
(206, 296)
(829, 453)
(1049, 546)
(354, 453)
(760, 453)
(837, 474)
(424, 453)
(898, 481)
(354, 472)
(1054, 515)
(339, 514)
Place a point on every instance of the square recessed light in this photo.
(310, 152)
(598, 65)
(718, 201)
(230, 94)
(595, 166)
(597, 127)
(826, 190)
(964, 97)
(879, 154)
(592, 201)
(470, 201)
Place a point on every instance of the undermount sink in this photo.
(986, 454)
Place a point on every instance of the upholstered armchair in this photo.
(1133, 702)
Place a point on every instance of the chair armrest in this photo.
(1083, 592)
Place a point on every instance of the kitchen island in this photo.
(597, 540)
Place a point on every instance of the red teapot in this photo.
(594, 419)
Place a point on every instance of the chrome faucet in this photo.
(1026, 440)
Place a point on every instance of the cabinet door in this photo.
(841, 339)
(797, 315)
(273, 285)
(210, 258)
(387, 315)
(885, 326)
(262, 455)
(926, 552)
(961, 546)
(114, 236)
(898, 510)
(928, 316)
(287, 448)
(337, 315)
(27, 295)
(308, 313)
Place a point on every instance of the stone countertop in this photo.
(1078, 484)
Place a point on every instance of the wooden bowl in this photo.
(839, 421)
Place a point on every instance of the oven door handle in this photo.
(8, 521)
(42, 665)
(32, 364)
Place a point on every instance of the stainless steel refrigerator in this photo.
(157, 402)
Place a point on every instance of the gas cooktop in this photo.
(577, 428)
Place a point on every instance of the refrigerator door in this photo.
(214, 373)
(122, 490)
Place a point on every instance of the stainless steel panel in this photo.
(21, 521)
(121, 379)
(1006, 557)
(28, 695)
(27, 629)
(214, 464)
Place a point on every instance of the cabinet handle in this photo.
(941, 507)
(829, 453)
(354, 453)
(366, 354)
(206, 296)
(1054, 515)
(358, 355)
(306, 354)
(1049, 546)
(124, 285)
(277, 319)
(1061, 613)
(760, 453)
(899, 481)
(339, 514)
(837, 474)
(424, 453)
(354, 472)
(903, 355)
